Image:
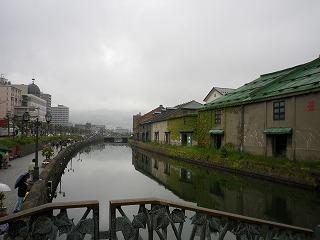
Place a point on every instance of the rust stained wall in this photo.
(160, 127)
(289, 122)
(307, 131)
(254, 140)
(302, 114)
(231, 122)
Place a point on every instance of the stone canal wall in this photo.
(298, 180)
(39, 193)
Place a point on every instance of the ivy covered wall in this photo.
(184, 123)
(205, 123)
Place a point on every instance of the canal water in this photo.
(104, 172)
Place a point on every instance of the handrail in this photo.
(207, 211)
(48, 207)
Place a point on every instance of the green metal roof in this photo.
(187, 131)
(305, 77)
(216, 131)
(277, 131)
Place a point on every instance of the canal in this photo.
(104, 172)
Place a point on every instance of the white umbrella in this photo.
(4, 188)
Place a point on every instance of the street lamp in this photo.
(8, 119)
(26, 119)
(36, 165)
(14, 120)
(48, 119)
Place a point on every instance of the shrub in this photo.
(47, 152)
(223, 152)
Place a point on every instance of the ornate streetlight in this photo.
(26, 119)
(48, 119)
(8, 119)
(36, 165)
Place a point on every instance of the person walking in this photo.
(22, 186)
(6, 160)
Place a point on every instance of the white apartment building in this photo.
(46, 97)
(60, 115)
(10, 97)
(31, 102)
(37, 107)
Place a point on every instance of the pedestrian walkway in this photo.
(9, 176)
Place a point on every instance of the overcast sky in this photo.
(109, 59)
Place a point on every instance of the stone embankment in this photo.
(255, 172)
(39, 193)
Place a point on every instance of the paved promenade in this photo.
(9, 176)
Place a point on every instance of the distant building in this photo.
(172, 125)
(10, 97)
(31, 101)
(46, 97)
(121, 130)
(23, 88)
(32, 104)
(141, 131)
(80, 126)
(215, 93)
(60, 115)
(176, 125)
(98, 128)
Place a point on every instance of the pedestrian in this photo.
(31, 168)
(6, 160)
(22, 191)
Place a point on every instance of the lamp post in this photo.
(48, 119)
(36, 165)
(8, 119)
(14, 119)
(26, 119)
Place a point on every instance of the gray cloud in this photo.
(120, 57)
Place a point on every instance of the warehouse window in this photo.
(279, 110)
(217, 117)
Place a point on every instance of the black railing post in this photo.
(112, 221)
(96, 223)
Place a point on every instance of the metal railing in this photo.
(41, 223)
(205, 223)
(155, 219)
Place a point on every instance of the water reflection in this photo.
(104, 172)
(231, 193)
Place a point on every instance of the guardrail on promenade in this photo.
(41, 223)
(155, 219)
(203, 223)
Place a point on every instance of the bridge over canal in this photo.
(116, 138)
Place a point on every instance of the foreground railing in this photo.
(41, 223)
(168, 220)
(155, 219)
